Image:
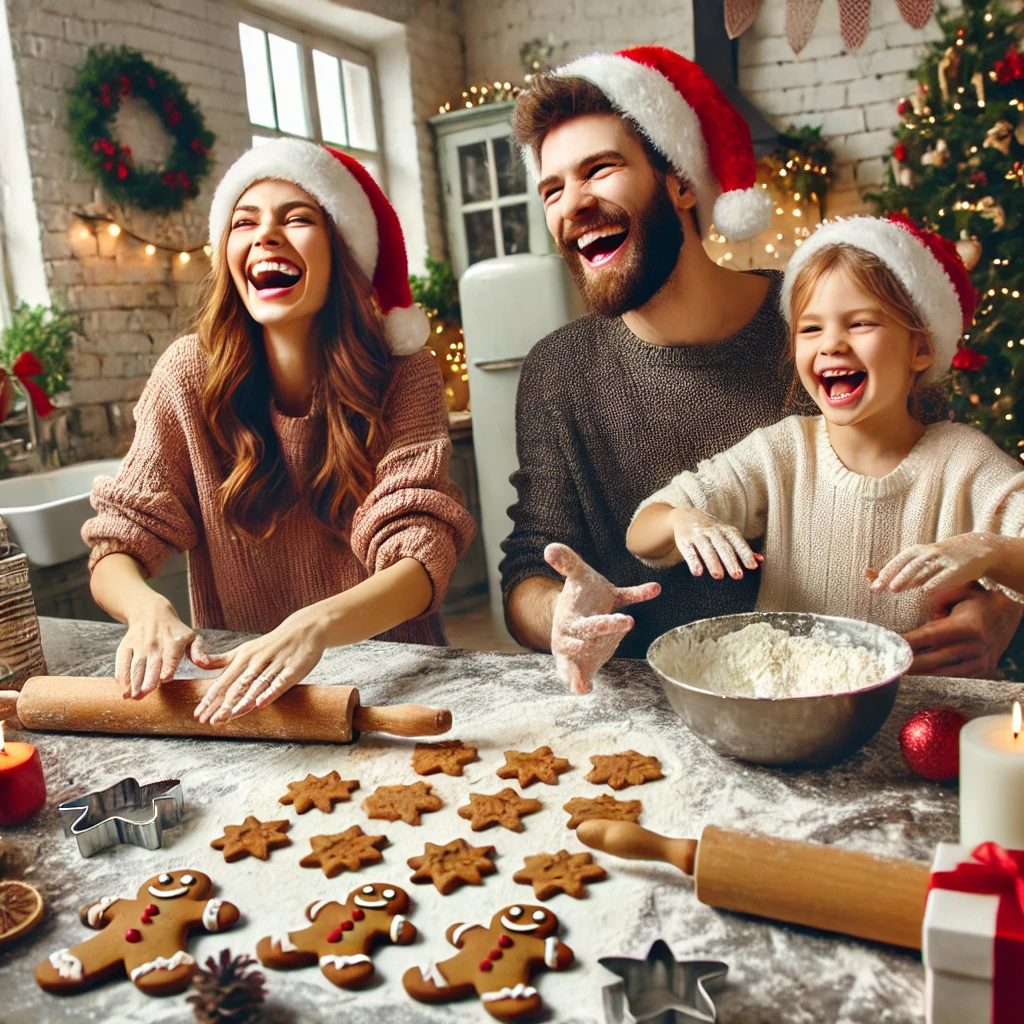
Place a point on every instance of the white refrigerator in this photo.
(508, 304)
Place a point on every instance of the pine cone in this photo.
(227, 991)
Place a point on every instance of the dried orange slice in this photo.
(21, 909)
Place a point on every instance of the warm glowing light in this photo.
(727, 256)
(184, 257)
(438, 329)
(778, 209)
(114, 230)
(796, 213)
(208, 249)
(1015, 715)
(150, 249)
(84, 232)
(769, 247)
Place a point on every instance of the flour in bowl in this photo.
(763, 661)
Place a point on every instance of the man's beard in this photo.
(655, 239)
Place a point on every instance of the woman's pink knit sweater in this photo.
(164, 499)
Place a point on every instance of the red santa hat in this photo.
(360, 211)
(687, 118)
(926, 264)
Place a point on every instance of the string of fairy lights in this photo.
(94, 223)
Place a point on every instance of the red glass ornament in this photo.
(902, 107)
(930, 741)
(900, 152)
(967, 358)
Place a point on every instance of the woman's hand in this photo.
(704, 541)
(257, 672)
(150, 651)
(947, 563)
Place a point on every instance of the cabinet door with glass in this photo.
(491, 203)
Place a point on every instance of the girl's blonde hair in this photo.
(927, 403)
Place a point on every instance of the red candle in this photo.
(22, 789)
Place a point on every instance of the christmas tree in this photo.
(958, 167)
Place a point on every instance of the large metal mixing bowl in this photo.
(786, 730)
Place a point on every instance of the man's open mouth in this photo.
(273, 274)
(841, 385)
(600, 245)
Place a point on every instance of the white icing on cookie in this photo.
(97, 910)
(316, 908)
(67, 965)
(210, 914)
(163, 963)
(168, 894)
(551, 951)
(283, 943)
(396, 927)
(370, 904)
(457, 934)
(512, 926)
(344, 961)
(431, 973)
(521, 991)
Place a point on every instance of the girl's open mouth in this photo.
(842, 387)
(600, 246)
(273, 278)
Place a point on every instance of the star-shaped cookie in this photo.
(626, 769)
(321, 792)
(253, 838)
(540, 765)
(504, 808)
(583, 809)
(344, 851)
(447, 756)
(559, 872)
(402, 802)
(453, 865)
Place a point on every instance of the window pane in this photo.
(509, 168)
(515, 230)
(479, 235)
(258, 93)
(362, 133)
(474, 172)
(328, 98)
(285, 60)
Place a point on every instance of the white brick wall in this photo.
(132, 306)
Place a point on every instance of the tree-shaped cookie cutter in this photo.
(123, 813)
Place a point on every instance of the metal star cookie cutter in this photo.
(123, 813)
(661, 989)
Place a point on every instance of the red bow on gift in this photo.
(997, 872)
(25, 367)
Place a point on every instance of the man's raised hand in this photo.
(587, 626)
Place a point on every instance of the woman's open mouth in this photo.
(600, 245)
(273, 278)
(842, 387)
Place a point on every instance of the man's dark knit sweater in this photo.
(604, 419)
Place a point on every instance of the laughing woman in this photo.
(296, 446)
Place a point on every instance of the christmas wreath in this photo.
(109, 76)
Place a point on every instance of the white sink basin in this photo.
(44, 512)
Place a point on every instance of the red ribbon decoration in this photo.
(997, 872)
(26, 366)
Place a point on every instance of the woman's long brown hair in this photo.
(349, 387)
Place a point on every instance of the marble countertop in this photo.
(499, 701)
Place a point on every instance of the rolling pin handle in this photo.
(402, 720)
(634, 842)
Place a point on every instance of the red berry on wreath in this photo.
(930, 741)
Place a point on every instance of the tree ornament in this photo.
(228, 991)
(900, 152)
(1011, 67)
(108, 77)
(1016, 173)
(967, 358)
(902, 107)
(999, 136)
(937, 156)
(969, 249)
(991, 210)
(800, 18)
(978, 81)
(949, 69)
(930, 741)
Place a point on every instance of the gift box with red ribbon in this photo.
(973, 941)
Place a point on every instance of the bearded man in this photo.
(635, 153)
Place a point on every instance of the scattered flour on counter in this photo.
(763, 661)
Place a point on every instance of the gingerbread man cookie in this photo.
(342, 935)
(496, 962)
(145, 937)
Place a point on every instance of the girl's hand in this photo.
(151, 649)
(704, 541)
(257, 672)
(948, 563)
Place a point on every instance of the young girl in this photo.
(296, 446)
(876, 309)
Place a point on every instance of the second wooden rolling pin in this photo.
(310, 713)
(859, 894)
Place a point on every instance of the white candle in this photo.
(992, 781)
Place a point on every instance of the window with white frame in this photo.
(311, 86)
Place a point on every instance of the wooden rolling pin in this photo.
(310, 713)
(859, 894)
